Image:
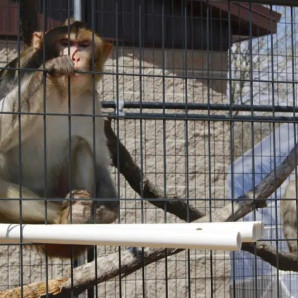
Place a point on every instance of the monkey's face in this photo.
(80, 51)
(87, 51)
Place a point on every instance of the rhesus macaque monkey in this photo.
(289, 216)
(35, 149)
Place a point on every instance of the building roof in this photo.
(243, 16)
(263, 20)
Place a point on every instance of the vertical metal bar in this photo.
(77, 10)
(20, 149)
(69, 148)
(163, 29)
(44, 25)
(209, 134)
(135, 30)
(185, 70)
(141, 31)
(77, 15)
(92, 253)
(231, 138)
(274, 154)
(117, 7)
(191, 42)
(9, 271)
(294, 110)
(252, 135)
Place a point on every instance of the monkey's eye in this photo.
(64, 42)
(84, 44)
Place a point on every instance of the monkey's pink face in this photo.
(80, 52)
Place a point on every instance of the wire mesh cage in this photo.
(199, 106)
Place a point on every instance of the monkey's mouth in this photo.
(79, 76)
(80, 71)
(76, 75)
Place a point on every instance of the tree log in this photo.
(142, 185)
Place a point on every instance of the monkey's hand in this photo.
(60, 66)
(79, 210)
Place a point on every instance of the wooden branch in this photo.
(255, 198)
(35, 290)
(84, 276)
(281, 260)
(141, 184)
(108, 267)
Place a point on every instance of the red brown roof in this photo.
(263, 20)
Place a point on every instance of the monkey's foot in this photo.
(106, 214)
(137, 252)
(61, 250)
(79, 210)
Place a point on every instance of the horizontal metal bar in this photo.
(270, 2)
(163, 200)
(174, 116)
(168, 76)
(201, 106)
(202, 117)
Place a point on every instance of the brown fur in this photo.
(289, 216)
(89, 179)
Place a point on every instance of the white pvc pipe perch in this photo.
(191, 236)
(104, 235)
(250, 231)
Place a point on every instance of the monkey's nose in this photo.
(76, 60)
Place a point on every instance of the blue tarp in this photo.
(266, 155)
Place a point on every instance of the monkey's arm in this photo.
(27, 101)
(289, 215)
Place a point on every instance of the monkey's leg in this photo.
(33, 211)
(289, 216)
(79, 208)
(289, 223)
(107, 209)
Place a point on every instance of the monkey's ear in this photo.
(107, 48)
(37, 41)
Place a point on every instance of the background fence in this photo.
(202, 94)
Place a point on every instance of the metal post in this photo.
(77, 10)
